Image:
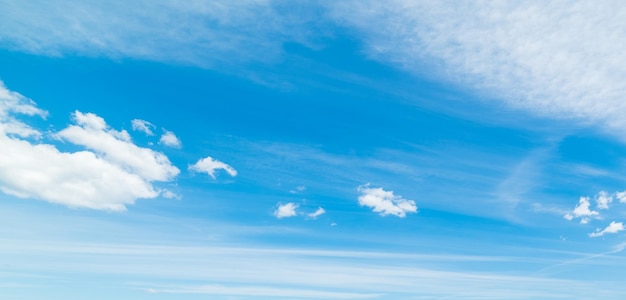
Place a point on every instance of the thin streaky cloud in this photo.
(143, 126)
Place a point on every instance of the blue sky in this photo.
(312, 150)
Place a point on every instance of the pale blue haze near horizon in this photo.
(312, 150)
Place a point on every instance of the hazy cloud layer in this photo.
(562, 59)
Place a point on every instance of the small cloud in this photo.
(581, 211)
(614, 227)
(603, 199)
(621, 196)
(170, 195)
(297, 190)
(286, 211)
(320, 211)
(143, 126)
(333, 224)
(169, 139)
(385, 202)
(209, 165)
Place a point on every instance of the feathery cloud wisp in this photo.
(143, 126)
(320, 211)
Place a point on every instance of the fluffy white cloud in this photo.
(209, 165)
(112, 173)
(385, 202)
(92, 132)
(614, 227)
(563, 59)
(320, 211)
(582, 211)
(143, 126)
(621, 196)
(286, 210)
(603, 199)
(170, 139)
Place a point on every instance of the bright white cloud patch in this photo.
(112, 173)
(92, 132)
(582, 211)
(286, 210)
(563, 58)
(385, 202)
(143, 126)
(170, 139)
(614, 227)
(603, 199)
(209, 165)
(320, 211)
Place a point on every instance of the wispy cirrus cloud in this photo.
(143, 126)
(110, 173)
(561, 60)
(320, 211)
(192, 32)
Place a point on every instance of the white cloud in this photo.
(621, 196)
(286, 210)
(112, 175)
(563, 59)
(581, 211)
(143, 126)
(603, 199)
(92, 132)
(385, 202)
(320, 211)
(13, 103)
(169, 139)
(614, 227)
(209, 165)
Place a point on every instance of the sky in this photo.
(312, 149)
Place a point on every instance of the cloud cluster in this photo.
(582, 211)
(110, 173)
(209, 165)
(603, 201)
(385, 202)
